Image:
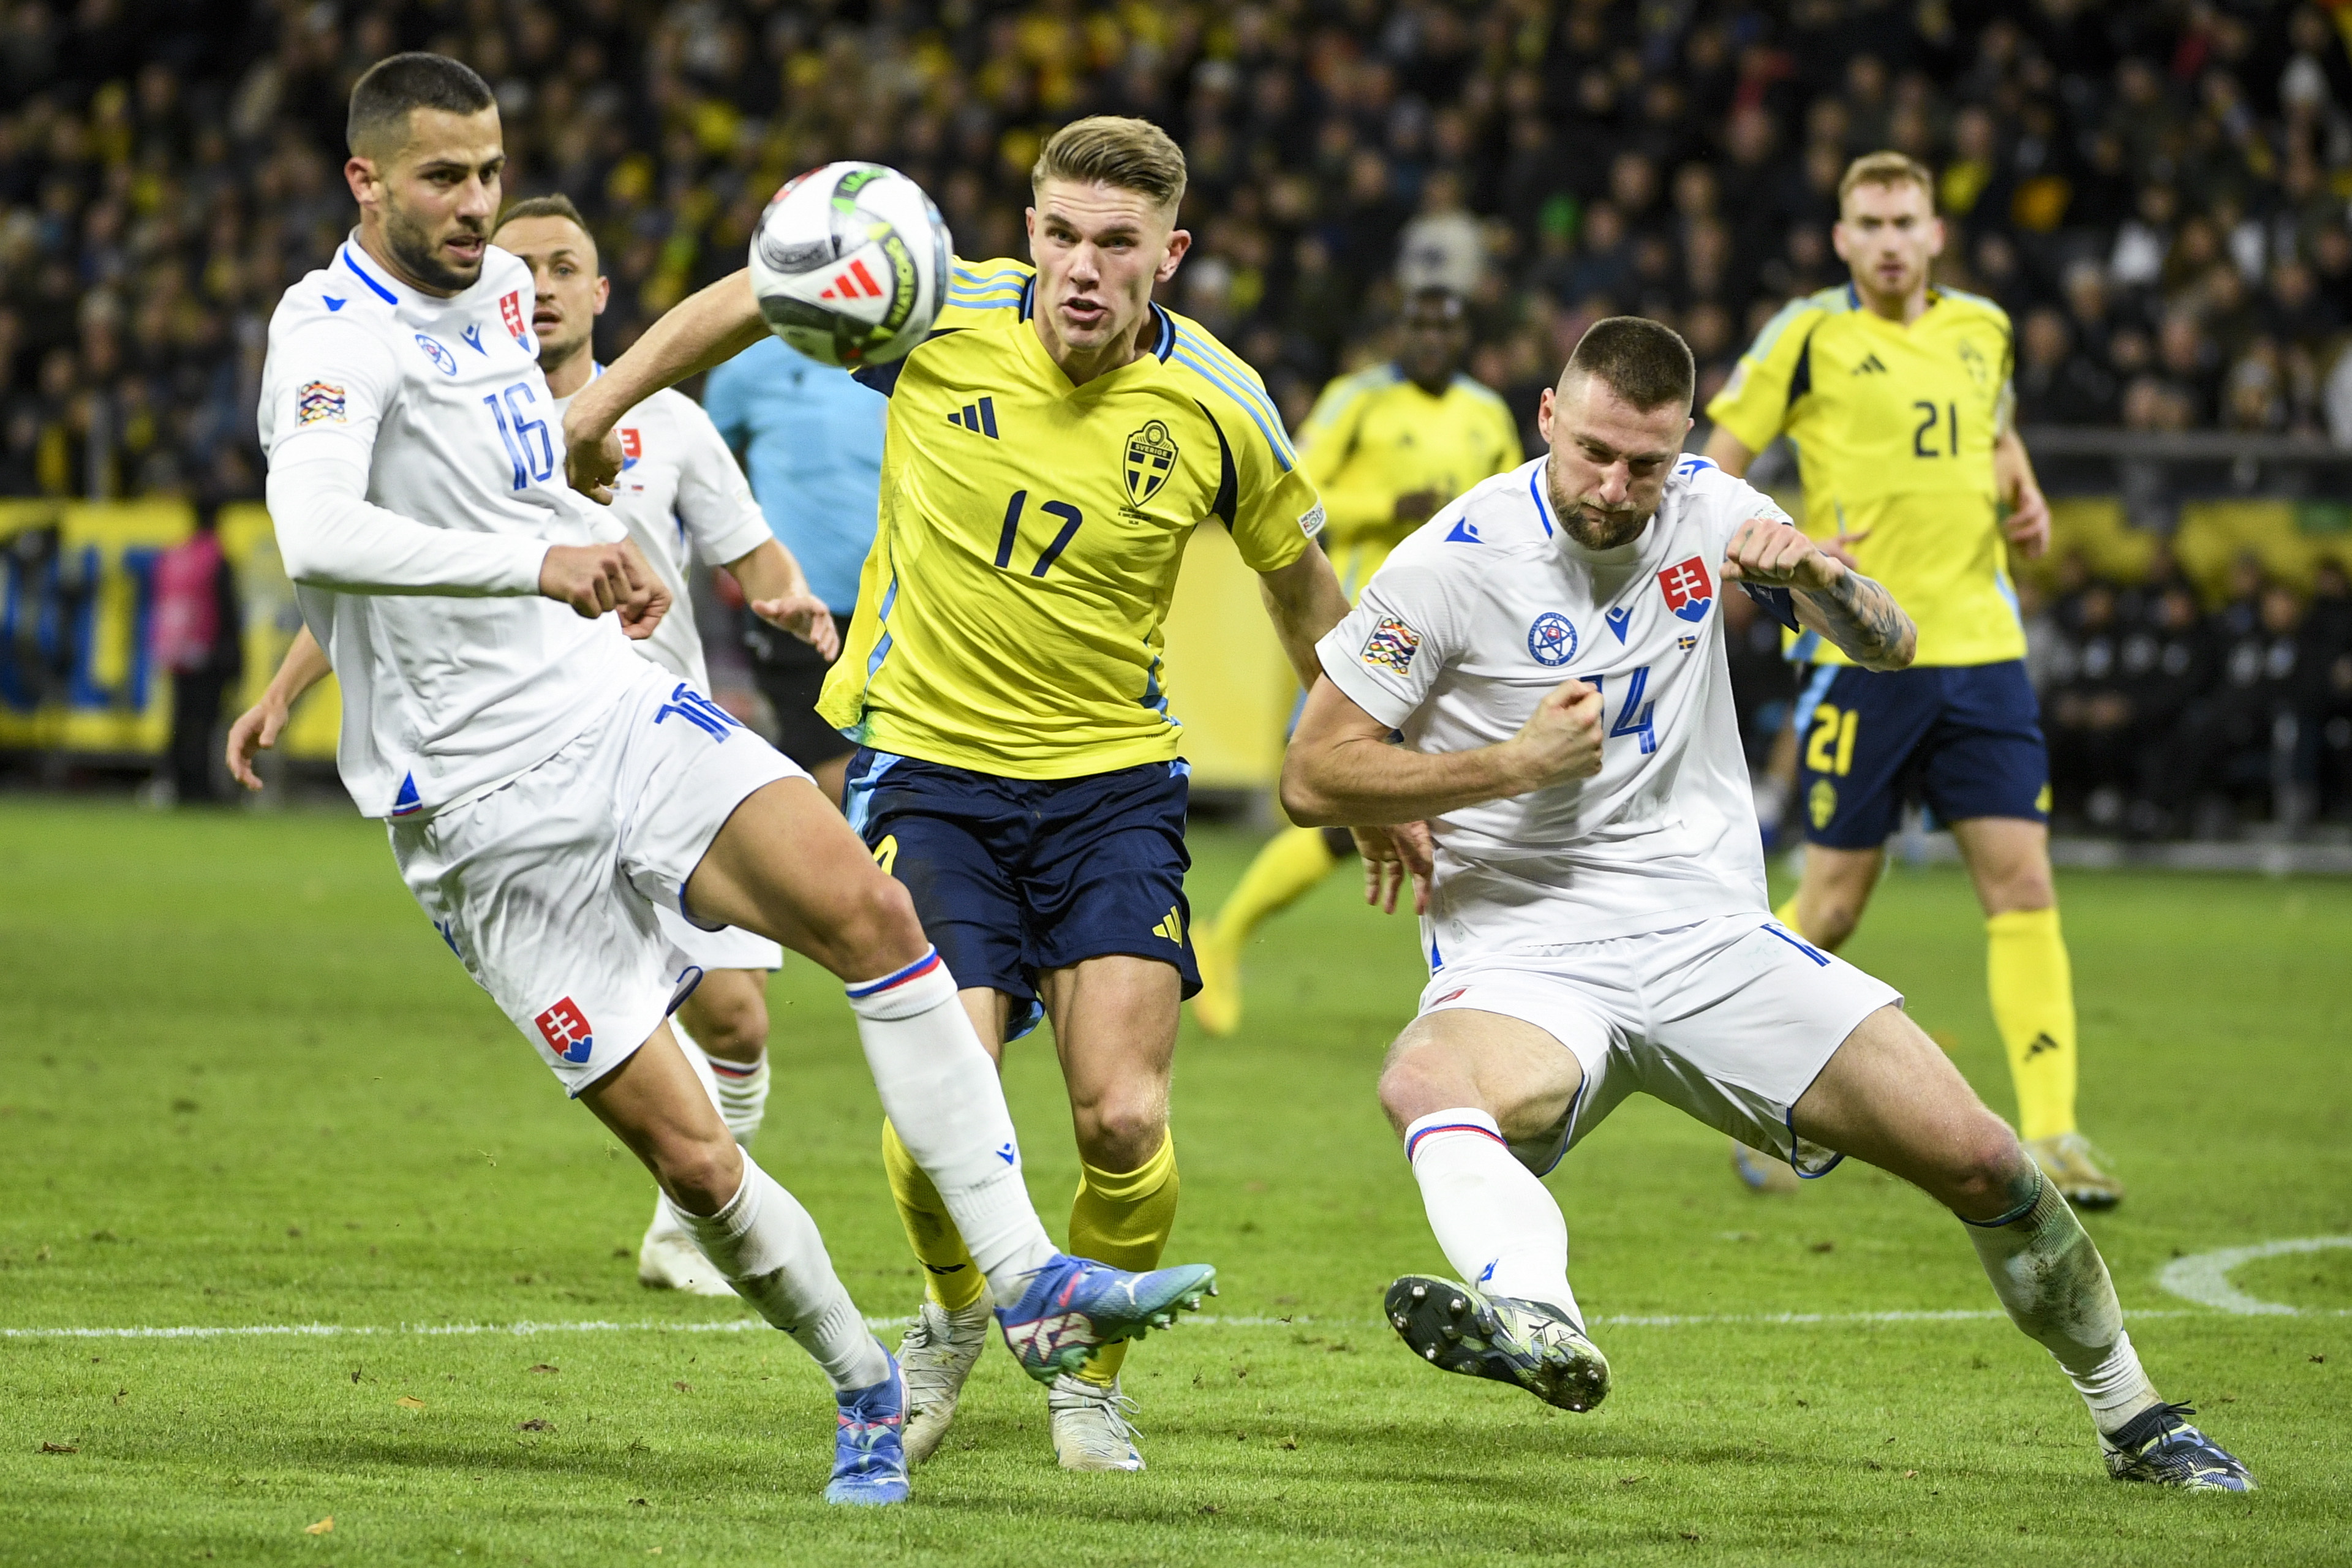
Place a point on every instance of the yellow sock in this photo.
(1787, 915)
(949, 1275)
(1123, 1219)
(1290, 864)
(2032, 986)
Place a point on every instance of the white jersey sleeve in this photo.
(722, 520)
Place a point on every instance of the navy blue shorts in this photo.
(1963, 740)
(1013, 877)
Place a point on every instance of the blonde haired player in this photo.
(1387, 446)
(1051, 447)
(1896, 393)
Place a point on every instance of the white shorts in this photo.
(548, 888)
(728, 947)
(1730, 1019)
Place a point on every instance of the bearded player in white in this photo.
(547, 790)
(1595, 918)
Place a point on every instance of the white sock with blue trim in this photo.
(766, 1246)
(1494, 1219)
(943, 1095)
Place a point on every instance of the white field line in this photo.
(526, 1329)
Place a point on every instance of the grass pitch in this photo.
(242, 1085)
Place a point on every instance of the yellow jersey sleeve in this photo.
(1274, 509)
(1754, 404)
(1352, 501)
(983, 291)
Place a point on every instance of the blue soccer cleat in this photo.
(2159, 1447)
(1532, 1345)
(869, 1458)
(1074, 1305)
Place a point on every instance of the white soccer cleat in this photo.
(668, 1259)
(1534, 1344)
(1090, 1426)
(938, 1354)
(2073, 1168)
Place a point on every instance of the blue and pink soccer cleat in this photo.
(869, 1456)
(2159, 1447)
(1074, 1305)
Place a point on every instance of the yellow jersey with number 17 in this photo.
(1009, 615)
(1894, 428)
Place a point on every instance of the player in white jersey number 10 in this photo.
(545, 790)
(1593, 902)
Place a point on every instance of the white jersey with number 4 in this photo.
(417, 482)
(1488, 606)
(683, 497)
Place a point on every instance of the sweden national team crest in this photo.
(1688, 591)
(1151, 458)
(511, 316)
(565, 1029)
(1552, 639)
(435, 350)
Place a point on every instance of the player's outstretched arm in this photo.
(1341, 770)
(778, 593)
(703, 332)
(258, 728)
(1303, 600)
(1852, 611)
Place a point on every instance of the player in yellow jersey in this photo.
(1051, 447)
(1896, 395)
(1387, 446)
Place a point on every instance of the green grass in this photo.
(241, 1082)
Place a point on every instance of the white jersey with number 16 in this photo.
(415, 483)
(1488, 606)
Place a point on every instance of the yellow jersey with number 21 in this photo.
(1009, 615)
(1894, 428)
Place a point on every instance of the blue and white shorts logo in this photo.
(443, 359)
(1552, 639)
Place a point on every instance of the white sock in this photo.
(766, 1246)
(2052, 1278)
(1495, 1221)
(942, 1094)
(742, 1095)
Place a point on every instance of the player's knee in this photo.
(1416, 1082)
(701, 1175)
(1987, 1170)
(1831, 920)
(734, 1025)
(874, 930)
(1122, 1131)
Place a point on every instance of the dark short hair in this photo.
(556, 206)
(1645, 363)
(384, 95)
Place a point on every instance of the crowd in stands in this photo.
(2165, 719)
(2157, 192)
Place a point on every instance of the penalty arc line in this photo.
(525, 1329)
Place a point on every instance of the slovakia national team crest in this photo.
(435, 350)
(511, 313)
(633, 448)
(1552, 639)
(566, 1028)
(1688, 592)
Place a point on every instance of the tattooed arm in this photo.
(1854, 611)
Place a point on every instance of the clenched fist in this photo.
(1560, 742)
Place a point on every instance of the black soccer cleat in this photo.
(1532, 1344)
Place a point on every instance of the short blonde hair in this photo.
(1112, 150)
(1886, 169)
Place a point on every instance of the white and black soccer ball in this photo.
(850, 264)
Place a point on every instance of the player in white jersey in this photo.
(684, 499)
(1595, 913)
(546, 790)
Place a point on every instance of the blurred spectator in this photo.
(2166, 668)
(198, 638)
(2086, 712)
(2055, 383)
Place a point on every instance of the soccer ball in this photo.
(850, 264)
